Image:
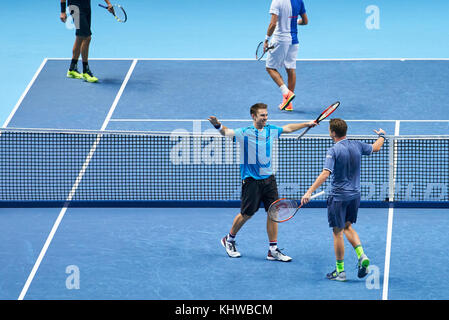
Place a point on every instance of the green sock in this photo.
(340, 265)
(359, 251)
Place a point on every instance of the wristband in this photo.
(63, 6)
(267, 37)
(218, 127)
(382, 135)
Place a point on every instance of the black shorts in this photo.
(340, 212)
(84, 21)
(256, 191)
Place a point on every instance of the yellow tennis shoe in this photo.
(89, 77)
(74, 74)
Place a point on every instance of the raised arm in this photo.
(292, 127)
(377, 145)
(224, 131)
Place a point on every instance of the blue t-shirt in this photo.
(343, 160)
(256, 150)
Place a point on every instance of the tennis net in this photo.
(92, 166)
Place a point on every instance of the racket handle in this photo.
(303, 133)
(317, 195)
(102, 5)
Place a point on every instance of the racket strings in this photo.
(120, 13)
(283, 209)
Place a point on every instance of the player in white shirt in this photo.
(282, 32)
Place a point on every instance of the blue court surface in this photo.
(174, 253)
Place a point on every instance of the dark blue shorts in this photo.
(340, 212)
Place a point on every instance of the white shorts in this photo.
(283, 55)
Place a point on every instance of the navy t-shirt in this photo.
(343, 160)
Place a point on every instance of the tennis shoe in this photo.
(287, 99)
(89, 77)
(336, 276)
(230, 248)
(362, 266)
(289, 107)
(74, 74)
(274, 255)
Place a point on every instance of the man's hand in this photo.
(305, 198)
(380, 131)
(111, 9)
(63, 17)
(312, 124)
(214, 121)
(265, 46)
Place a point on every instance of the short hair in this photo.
(256, 107)
(338, 126)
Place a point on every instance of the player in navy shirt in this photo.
(256, 171)
(343, 162)
(80, 11)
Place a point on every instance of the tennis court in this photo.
(124, 237)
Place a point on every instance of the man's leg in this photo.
(291, 74)
(339, 248)
(274, 60)
(85, 49)
(76, 51)
(287, 94)
(87, 73)
(228, 241)
(354, 240)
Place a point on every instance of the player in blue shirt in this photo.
(343, 161)
(256, 170)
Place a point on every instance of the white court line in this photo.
(75, 186)
(390, 218)
(8, 120)
(270, 120)
(252, 59)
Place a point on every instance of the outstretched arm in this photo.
(292, 127)
(225, 131)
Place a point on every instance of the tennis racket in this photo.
(326, 113)
(260, 52)
(284, 209)
(118, 12)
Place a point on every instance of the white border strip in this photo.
(253, 59)
(8, 120)
(75, 186)
(390, 216)
(270, 120)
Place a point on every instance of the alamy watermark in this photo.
(372, 22)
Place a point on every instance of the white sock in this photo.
(284, 89)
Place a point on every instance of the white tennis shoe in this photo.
(231, 250)
(277, 255)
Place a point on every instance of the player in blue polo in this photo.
(343, 162)
(257, 174)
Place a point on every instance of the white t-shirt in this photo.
(288, 12)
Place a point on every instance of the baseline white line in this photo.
(75, 186)
(270, 120)
(252, 59)
(390, 215)
(19, 102)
